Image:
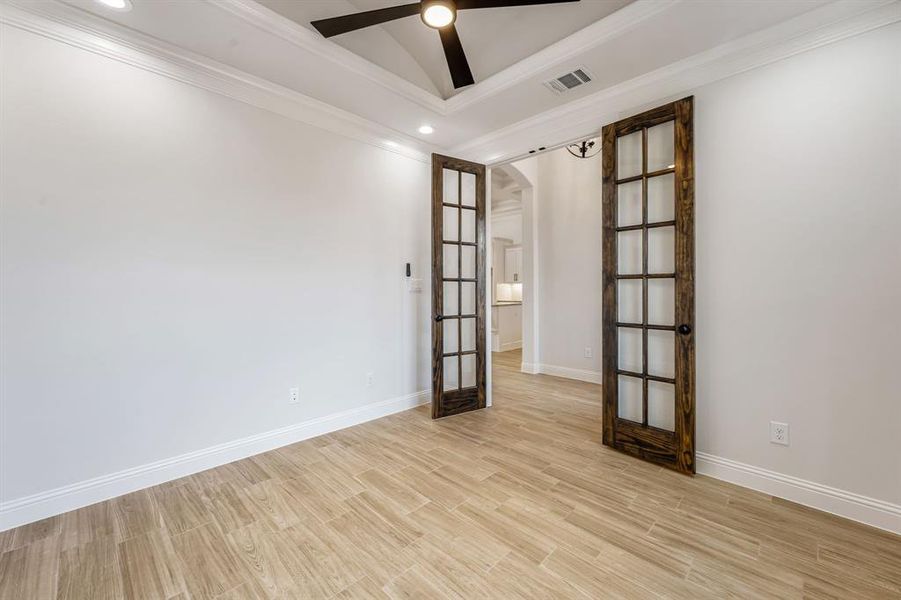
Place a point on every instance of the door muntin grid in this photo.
(459, 314)
(645, 226)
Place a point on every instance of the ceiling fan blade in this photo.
(352, 22)
(456, 58)
(464, 4)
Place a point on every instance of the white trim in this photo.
(272, 22)
(849, 505)
(529, 368)
(568, 373)
(581, 41)
(87, 32)
(490, 332)
(599, 32)
(18, 512)
(507, 346)
(584, 117)
(507, 211)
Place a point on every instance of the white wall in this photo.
(798, 201)
(507, 225)
(525, 174)
(798, 262)
(798, 258)
(569, 259)
(173, 261)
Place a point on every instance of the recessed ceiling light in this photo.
(426, 129)
(438, 13)
(120, 5)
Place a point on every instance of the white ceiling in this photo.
(493, 39)
(505, 192)
(382, 83)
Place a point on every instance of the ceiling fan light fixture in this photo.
(118, 5)
(438, 13)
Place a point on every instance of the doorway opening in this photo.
(508, 280)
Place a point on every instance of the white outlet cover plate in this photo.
(779, 433)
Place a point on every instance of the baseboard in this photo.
(14, 513)
(63, 499)
(530, 368)
(507, 346)
(849, 505)
(569, 373)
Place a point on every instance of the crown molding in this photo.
(596, 34)
(583, 118)
(77, 28)
(273, 23)
(583, 40)
(503, 211)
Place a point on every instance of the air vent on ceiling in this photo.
(570, 80)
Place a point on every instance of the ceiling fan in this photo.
(437, 14)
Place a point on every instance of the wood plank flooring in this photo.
(518, 501)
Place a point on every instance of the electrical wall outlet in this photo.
(370, 378)
(294, 396)
(588, 352)
(779, 433)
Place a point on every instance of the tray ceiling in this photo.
(493, 38)
(381, 85)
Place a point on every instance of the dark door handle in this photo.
(439, 318)
(684, 329)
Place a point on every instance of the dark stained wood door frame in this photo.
(451, 402)
(673, 449)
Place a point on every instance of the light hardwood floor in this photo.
(520, 500)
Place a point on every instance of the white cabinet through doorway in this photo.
(513, 264)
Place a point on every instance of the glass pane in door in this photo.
(662, 405)
(628, 250)
(628, 155)
(451, 341)
(450, 298)
(628, 208)
(468, 262)
(661, 146)
(629, 401)
(451, 261)
(468, 226)
(661, 301)
(468, 366)
(451, 372)
(468, 334)
(468, 189)
(468, 306)
(630, 349)
(661, 353)
(451, 224)
(662, 198)
(661, 250)
(451, 185)
(629, 301)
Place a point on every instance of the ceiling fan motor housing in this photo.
(438, 13)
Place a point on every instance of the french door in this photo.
(648, 286)
(458, 286)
